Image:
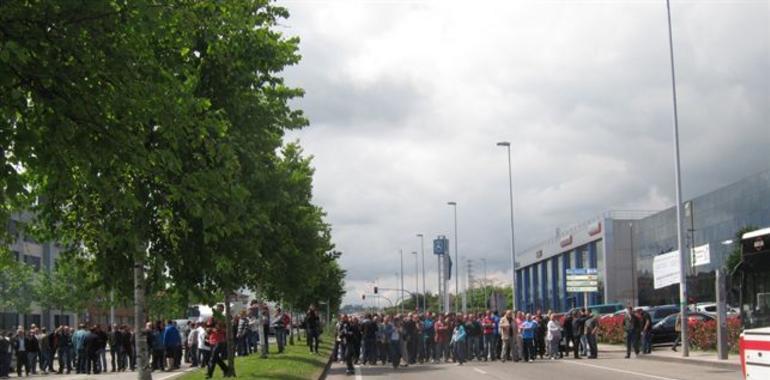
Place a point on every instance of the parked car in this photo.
(711, 308)
(664, 331)
(658, 313)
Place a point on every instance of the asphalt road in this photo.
(612, 366)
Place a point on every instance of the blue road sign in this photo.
(581, 271)
(440, 245)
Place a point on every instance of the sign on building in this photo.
(701, 255)
(665, 269)
(581, 280)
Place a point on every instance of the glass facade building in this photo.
(621, 245)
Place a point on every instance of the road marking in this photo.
(620, 370)
(481, 371)
(359, 376)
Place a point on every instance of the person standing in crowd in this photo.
(678, 330)
(506, 335)
(112, 340)
(487, 326)
(577, 332)
(313, 328)
(356, 339)
(265, 330)
(204, 349)
(33, 349)
(554, 337)
(91, 344)
(442, 339)
(155, 345)
(528, 336)
(569, 337)
(242, 334)
(172, 342)
(80, 348)
(407, 329)
(383, 341)
(496, 340)
(346, 336)
(6, 351)
(369, 327)
(428, 337)
(393, 333)
(44, 346)
(583, 338)
(20, 343)
(646, 331)
(218, 341)
(192, 344)
(458, 341)
(125, 355)
(102, 348)
(631, 328)
(540, 332)
(591, 329)
(63, 348)
(279, 326)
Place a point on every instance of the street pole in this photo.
(424, 291)
(457, 260)
(416, 281)
(678, 179)
(401, 252)
(484, 263)
(513, 240)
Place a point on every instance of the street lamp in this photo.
(424, 291)
(484, 263)
(678, 180)
(401, 252)
(457, 260)
(507, 145)
(416, 281)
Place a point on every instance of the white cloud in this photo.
(407, 99)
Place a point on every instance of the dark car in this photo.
(664, 331)
(658, 313)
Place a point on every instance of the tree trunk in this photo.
(230, 338)
(143, 368)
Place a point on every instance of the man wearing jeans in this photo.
(63, 348)
(631, 327)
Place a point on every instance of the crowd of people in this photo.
(85, 349)
(407, 339)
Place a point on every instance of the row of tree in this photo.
(148, 138)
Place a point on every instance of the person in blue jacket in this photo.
(172, 341)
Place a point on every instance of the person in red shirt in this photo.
(488, 327)
(217, 340)
(442, 339)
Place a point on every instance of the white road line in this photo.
(481, 371)
(619, 370)
(359, 376)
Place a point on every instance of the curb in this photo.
(724, 364)
(327, 367)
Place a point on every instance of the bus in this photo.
(753, 273)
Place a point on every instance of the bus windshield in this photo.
(754, 274)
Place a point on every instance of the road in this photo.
(612, 366)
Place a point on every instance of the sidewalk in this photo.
(127, 375)
(664, 353)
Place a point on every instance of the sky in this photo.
(407, 99)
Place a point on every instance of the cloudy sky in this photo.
(408, 98)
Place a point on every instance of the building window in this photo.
(33, 261)
(9, 321)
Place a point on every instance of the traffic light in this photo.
(363, 297)
(375, 290)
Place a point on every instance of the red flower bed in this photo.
(703, 334)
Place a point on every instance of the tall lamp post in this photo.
(507, 145)
(457, 260)
(484, 263)
(424, 291)
(416, 281)
(401, 252)
(683, 301)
